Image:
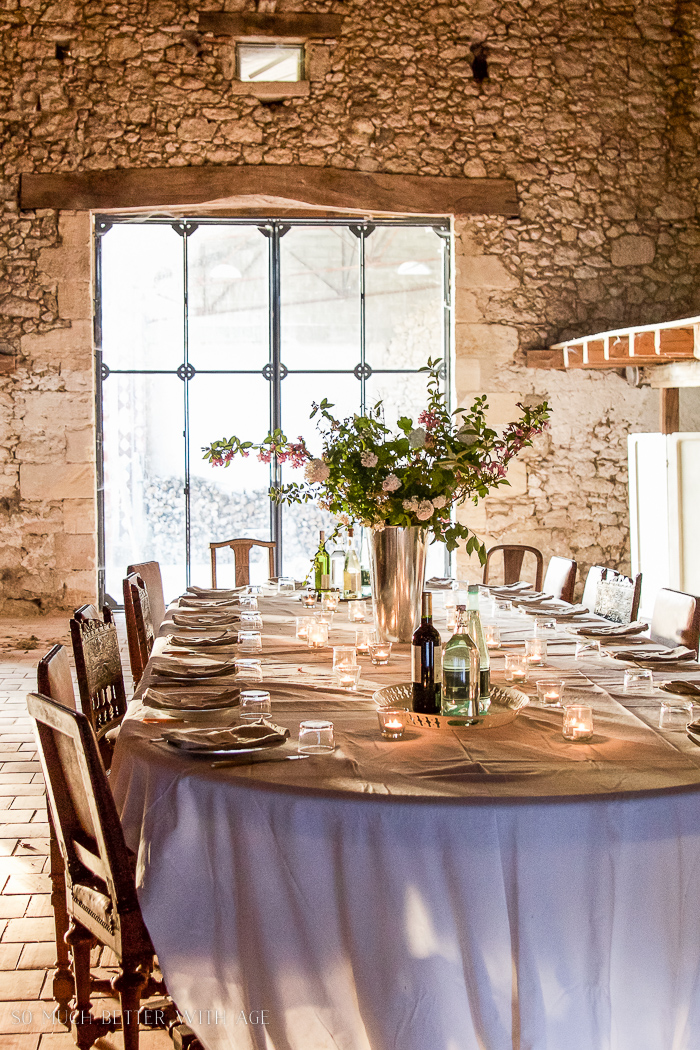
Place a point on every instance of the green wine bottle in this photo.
(322, 566)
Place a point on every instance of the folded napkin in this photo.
(618, 630)
(656, 656)
(214, 619)
(208, 603)
(557, 613)
(681, 687)
(236, 738)
(191, 666)
(440, 582)
(535, 599)
(183, 700)
(224, 638)
(210, 592)
(510, 588)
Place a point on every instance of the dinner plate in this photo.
(227, 752)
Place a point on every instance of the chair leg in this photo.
(129, 983)
(63, 983)
(87, 1029)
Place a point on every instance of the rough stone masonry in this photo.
(591, 106)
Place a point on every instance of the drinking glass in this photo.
(285, 584)
(357, 611)
(544, 625)
(638, 680)
(364, 636)
(347, 677)
(250, 670)
(248, 601)
(255, 705)
(675, 713)
(516, 667)
(578, 723)
(492, 635)
(315, 737)
(344, 656)
(249, 641)
(549, 692)
(380, 652)
(251, 620)
(588, 649)
(303, 626)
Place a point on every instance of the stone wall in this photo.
(590, 105)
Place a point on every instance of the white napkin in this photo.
(557, 613)
(204, 604)
(214, 619)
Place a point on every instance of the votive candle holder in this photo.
(549, 692)
(318, 634)
(517, 668)
(380, 652)
(536, 651)
(578, 723)
(357, 611)
(392, 722)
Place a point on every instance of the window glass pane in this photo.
(265, 62)
(228, 502)
(302, 522)
(228, 270)
(144, 478)
(404, 296)
(320, 298)
(142, 297)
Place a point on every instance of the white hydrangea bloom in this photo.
(379, 526)
(368, 459)
(316, 471)
(424, 510)
(391, 484)
(410, 504)
(416, 438)
(439, 502)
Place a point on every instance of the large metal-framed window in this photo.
(210, 326)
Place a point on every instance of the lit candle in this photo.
(357, 611)
(309, 600)
(318, 635)
(392, 722)
(578, 722)
(535, 650)
(347, 677)
(549, 692)
(516, 669)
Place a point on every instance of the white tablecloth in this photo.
(371, 922)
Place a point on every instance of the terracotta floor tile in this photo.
(13, 907)
(28, 930)
(10, 1041)
(27, 1016)
(9, 956)
(38, 955)
(18, 985)
(39, 906)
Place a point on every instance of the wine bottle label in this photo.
(437, 658)
(325, 582)
(415, 663)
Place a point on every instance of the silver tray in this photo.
(504, 708)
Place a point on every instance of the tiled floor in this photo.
(27, 951)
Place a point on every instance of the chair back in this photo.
(53, 677)
(90, 612)
(675, 619)
(140, 631)
(100, 882)
(241, 556)
(596, 574)
(150, 573)
(560, 578)
(513, 557)
(100, 680)
(617, 597)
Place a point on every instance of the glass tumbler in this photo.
(315, 737)
(249, 641)
(364, 636)
(255, 705)
(344, 656)
(675, 713)
(638, 680)
(250, 670)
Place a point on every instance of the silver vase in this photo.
(398, 570)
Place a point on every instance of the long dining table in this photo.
(485, 889)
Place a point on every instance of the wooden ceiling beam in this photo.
(625, 349)
(127, 188)
(309, 26)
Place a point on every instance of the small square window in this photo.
(270, 62)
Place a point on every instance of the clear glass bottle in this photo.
(426, 661)
(476, 632)
(352, 573)
(322, 566)
(338, 567)
(364, 564)
(461, 671)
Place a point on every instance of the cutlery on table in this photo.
(233, 762)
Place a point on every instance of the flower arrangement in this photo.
(367, 474)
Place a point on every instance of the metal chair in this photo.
(241, 554)
(513, 557)
(676, 619)
(150, 573)
(99, 870)
(560, 578)
(98, 668)
(140, 629)
(55, 681)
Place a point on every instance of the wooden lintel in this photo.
(669, 410)
(324, 187)
(309, 26)
(545, 359)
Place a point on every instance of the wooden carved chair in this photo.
(513, 557)
(98, 668)
(140, 629)
(149, 571)
(241, 554)
(560, 578)
(675, 619)
(596, 574)
(617, 597)
(54, 680)
(90, 612)
(100, 889)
